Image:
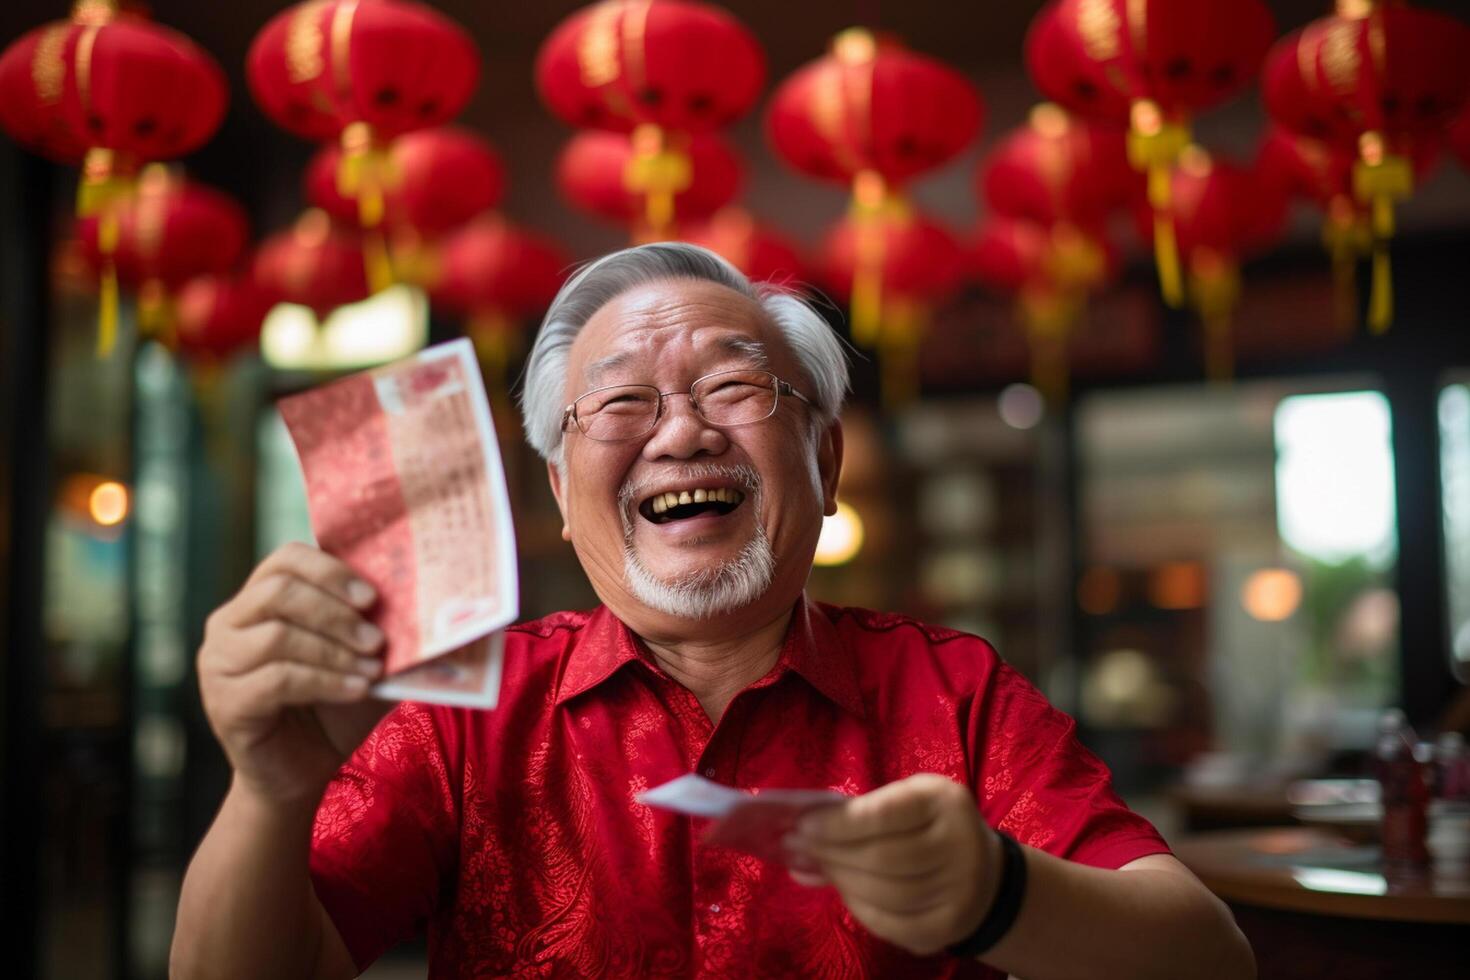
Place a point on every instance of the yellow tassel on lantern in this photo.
(364, 173)
(494, 337)
(658, 170)
(1214, 290)
(1380, 179)
(898, 344)
(872, 210)
(1047, 316)
(1154, 146)
(104, 191)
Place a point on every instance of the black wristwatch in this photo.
(1006, 906)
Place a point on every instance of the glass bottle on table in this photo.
(1405, 795)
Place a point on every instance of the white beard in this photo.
(707, 592)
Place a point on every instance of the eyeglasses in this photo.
(618, 412)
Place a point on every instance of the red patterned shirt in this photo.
(512, 836)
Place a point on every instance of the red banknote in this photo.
(752, 821)
(404, 483)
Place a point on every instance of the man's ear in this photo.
(829, 464)
(554, 475)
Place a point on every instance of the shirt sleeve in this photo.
(1036, 781)
(385, 840)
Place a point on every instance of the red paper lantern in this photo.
(118, 91)
(1057, 168)
(595, 174)
(441, 178)
(171, 231)
(314, 263)
(920, 265)
(1049, 270)
(492, 266)
(874, 114)
(1167, 59)
(1378, 80)
(1221, 213)
(498, 276)
(683, 67)
(322, 66)
(219, 316)
(756, 249)
(364, 72)
(136, 90)
(872, 106)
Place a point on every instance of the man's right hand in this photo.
(284, 673)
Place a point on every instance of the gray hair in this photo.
(816, 346)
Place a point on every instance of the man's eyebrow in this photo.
(745, 347)
(598, 368)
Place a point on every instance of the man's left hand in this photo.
(913, 860)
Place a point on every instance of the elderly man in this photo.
(689, 421)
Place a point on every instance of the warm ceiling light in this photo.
(841, 538)
(1272, 594)
(108, 503)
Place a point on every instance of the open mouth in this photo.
(679, 505)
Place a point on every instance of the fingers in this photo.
(898, 808)
(283, 596)
(914, 854)
(286, 682)
(313, 565)
(278, 640)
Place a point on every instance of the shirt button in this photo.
(710, 772)
(715, 908)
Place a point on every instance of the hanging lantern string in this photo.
(1345, 236)
(1214, 290)
(365, 172)
(904, 322)
(1380, 179)
(1047, 314)
(1154, 147)
(104, 187)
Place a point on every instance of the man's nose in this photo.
(681, 432)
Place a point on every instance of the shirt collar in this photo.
(812, 649)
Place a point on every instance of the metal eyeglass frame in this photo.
(569, 414)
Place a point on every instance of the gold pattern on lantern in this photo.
(304, 43)
(1340, 61)
(1097, 22)
(597, 48)
(48, 71)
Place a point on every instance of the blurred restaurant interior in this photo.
(1187, 440)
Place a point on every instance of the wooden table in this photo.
(1316, 905)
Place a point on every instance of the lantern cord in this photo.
(1380, 298)
(107, 298)
(376, 264)
(1166, 258)
(1048, 315)
(1379, 179)
(1215, 290)
(872, 208)
(899, 344)
(107, 309)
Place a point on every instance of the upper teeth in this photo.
(723, 495)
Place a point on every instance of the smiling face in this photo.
(740, 546)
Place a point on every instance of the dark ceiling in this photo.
(260, 164)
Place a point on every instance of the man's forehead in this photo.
(710, 319)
